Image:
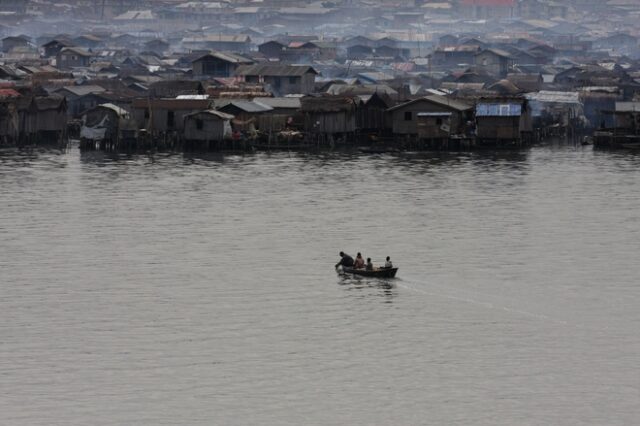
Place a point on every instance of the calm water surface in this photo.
(199, 290)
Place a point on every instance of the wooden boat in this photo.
(375, 272)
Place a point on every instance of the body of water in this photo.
(200, 290)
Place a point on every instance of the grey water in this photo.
(169, 289)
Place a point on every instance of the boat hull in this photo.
(376, 273)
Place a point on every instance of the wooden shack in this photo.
(73, 57)
(9, 119)
(43, 118)
(359, 52)
(555, 112)
(220, 42)
(495, 61)
(625, 132)
(427, 117)
(599, 102)
(157, 45)
(207, 126)
(81, 98)
(627, 117)
(283, 79)
(503, 121)
(218, 64)
(53, 47)
(174, 88)
(272, 49)
(247, 114)
(329, 115)
(371, 114)
(321, 50)
(446, 58)
(527, 82)
(283, 115)
(103, 124)
(12, 42)
(165, 115)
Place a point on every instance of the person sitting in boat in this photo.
(346, 261)
(359, 263)
(369, 266)
(388, 263)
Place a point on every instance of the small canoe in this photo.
(376, 272)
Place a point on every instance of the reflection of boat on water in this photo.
(375, 272)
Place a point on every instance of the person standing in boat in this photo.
(346, 261)
(388, 263)
(359, 263)
(369, 266)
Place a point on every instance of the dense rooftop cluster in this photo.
(331, 70)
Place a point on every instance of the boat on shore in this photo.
(374, 273)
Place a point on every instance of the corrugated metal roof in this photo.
(83, 90)
(457, 49)
(213, 38)
(75, 50)
(49, 102)
(213, 112)
(199, 5)
(138, 15)
(192, 97)
(554, 97)
(628, 106)
(375, 76)
(246, 106)
(288, 103)
(442, 5)
(602, 89)
(327, 104)
(496, 51)
(436, 92)
(275, 70)
(448, 102)
(246, 9)
(304, 11)
(442, 101)
(365, 89)
(489, 2)
(461, 86)
(8, 93)
(434, 114)
(226, 56)
(403, 66)
(498, 110)
(58, 41)
(172, 104)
